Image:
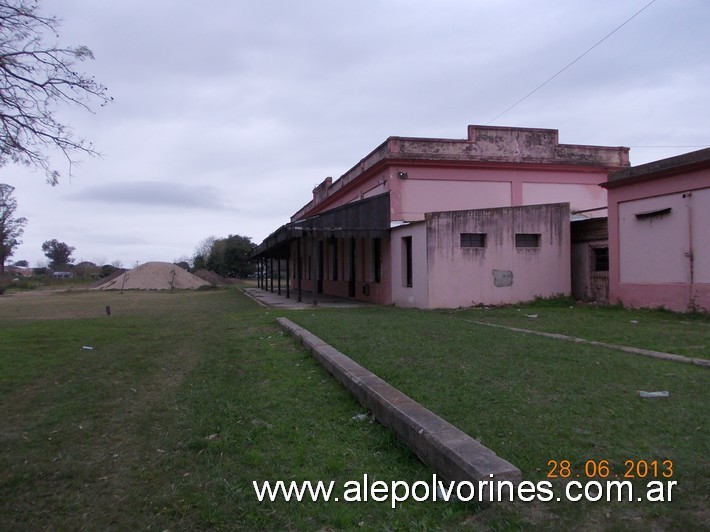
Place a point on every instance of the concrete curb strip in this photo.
(635, 350)
(453, 454)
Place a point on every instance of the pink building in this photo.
(659, 249)
(433, 223)
(482, 256)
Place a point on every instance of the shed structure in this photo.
(659, 249)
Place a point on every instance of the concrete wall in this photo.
(415, 296)
(663, 259)
(500, 272)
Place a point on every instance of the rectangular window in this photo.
(407, 256)
(527, 240)
(376, 260)
(600, 259)
(473, 240)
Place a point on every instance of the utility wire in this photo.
(667, 146)
(572, 63)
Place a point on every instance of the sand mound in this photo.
(211, 277)
(105, 280)
(154, 276)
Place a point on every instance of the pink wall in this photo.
(433, 189)
(649, 258)
(415, 296)
(336, 269)
(580, 196)
(655, 248)
(701, 224)
(420, 196)
(500, 272)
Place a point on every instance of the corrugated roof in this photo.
(661, 168)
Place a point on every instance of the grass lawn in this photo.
(186, 398)
(533, 399)
(680, 334)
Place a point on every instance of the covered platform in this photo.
(274, 300)
(296, 251)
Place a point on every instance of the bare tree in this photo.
(11, 228)
(34, 78)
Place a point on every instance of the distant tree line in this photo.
(11, 226)
(228, 257)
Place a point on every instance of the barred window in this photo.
(473, 240)
(601, 259)
(527, 240)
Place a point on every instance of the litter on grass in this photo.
(653, 395)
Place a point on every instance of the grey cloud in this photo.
(153, 193)
(219, 105)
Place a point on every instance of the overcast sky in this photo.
(228, 112)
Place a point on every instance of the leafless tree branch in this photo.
(34, 79)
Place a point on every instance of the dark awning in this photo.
(368, 218)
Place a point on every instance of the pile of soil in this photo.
(119, 271)
(154, 276)
(212, 277)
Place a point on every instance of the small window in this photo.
(473, 240)
(408, 266)
(658, 213)
(527, 240)
(600, 259)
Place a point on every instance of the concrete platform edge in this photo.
(453, 454)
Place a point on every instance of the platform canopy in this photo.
(367, 218)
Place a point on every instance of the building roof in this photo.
(679, 164)
(485, 146)
(365, 218)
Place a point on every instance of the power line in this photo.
(670, 146)
(572, 63)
